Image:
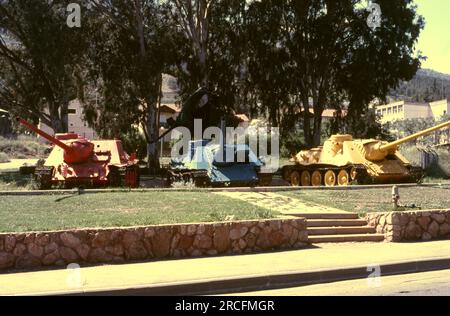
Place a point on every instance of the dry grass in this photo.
(377, 200)
(23, 147)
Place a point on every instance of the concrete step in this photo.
(346, 238)
(335, 222)
(324, 215)
(340, 230)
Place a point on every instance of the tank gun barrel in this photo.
(413, 136)
(48, 137)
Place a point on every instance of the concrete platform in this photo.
(346, 238)
(336, 222)
(340, 230)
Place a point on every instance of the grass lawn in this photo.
(53, 212)
(376, 200)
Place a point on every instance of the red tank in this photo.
(77, 161)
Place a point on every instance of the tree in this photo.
(131, 49)
(193, 20)
(268, 59)
(379, 60)
(39, 55)
(330, 54)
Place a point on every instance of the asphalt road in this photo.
(436, 283)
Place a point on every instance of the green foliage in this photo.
(134, 142)
(291, 144)
(16, 181)
(131, 47)
(365, 125)
(319, 54)
(39, 60)
(273, 58)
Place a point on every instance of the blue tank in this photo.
(203, 166)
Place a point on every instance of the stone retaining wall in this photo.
(411, 225)
(116, 245)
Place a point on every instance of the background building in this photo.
(402, 110)
(5, 124)
(75, 122)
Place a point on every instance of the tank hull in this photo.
(204, 170)
(77, 161)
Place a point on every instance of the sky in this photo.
(434, 40)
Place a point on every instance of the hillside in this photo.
(426, 86)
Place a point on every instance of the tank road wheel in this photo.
(305, 178)
(295, 179)
(343, 178)
(286, 173)
(316, 179)
(43, 181)
(43, 177)
(353, 174)
(114, 177)
(132, 176)
(330, 178)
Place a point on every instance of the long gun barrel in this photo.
(48, 137)
(413, 136)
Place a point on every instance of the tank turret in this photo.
(76, 161)
(78, 150)
(343, 159)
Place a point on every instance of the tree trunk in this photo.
(317, 128)
(203, 68)
(306, 123)
(152, 145)
(58, 118)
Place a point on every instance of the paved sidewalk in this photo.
(187, 271)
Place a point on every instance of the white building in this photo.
(75, 122)
(402, 110)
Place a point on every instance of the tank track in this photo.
(43, 177)
(124, 176)
(417, 174)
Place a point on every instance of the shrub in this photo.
(440, 169)
(4, 157)
(134, 142)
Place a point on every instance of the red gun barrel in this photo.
(48, 137)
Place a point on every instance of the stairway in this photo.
(338, 227)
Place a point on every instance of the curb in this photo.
(232, 189)
(266, 282)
